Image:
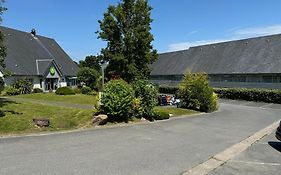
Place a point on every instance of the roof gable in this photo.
(23, 49)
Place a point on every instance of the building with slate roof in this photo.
(37, 58)
(249, 63)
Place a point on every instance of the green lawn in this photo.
(71, 99)
(176, 111)
(18, 118)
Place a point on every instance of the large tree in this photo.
(91, 62)
(2, 47)
(126, 28)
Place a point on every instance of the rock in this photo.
(100, 120)
(41, 122)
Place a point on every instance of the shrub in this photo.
(77, 90)
(161, 115)
(37, 90)
(10, 90)
(117, 100)
(195, 93)
(2, 84)
(168, 89)
(264, 95)
(23, 85)
(86, 90)
(146, 93)
(89, 76)
(65, 91)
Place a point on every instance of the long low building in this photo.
(249, 63)
(39, 59)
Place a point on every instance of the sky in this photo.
(177, 25)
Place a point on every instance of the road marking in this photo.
(224, 156)
(255, 163)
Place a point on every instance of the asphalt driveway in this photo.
(168, 147)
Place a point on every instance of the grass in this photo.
(71, 99)
(18, 117)
(176, 111)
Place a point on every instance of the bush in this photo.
(86, 90)
(77, 90)
(65, 91)
(89, 76)
(195, 93)
(23, 85)
(2, 84)
(168, 89)
(146, 93)
(10, 90)
(117, 100)
(263, 95)
(161, 115)
(37, 90)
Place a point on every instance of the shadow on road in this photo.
(275, 145)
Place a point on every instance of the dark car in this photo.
(278, 132)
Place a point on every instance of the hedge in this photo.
(65, 91)
(168, 89)
(262, 95)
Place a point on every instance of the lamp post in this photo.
(103, 66)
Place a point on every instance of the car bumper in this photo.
(278, 133)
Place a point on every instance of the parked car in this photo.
(278, 132)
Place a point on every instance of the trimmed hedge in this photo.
(262, 95)
(65, 91)
(37, 90)
(168, 89)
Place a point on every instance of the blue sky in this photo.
(178, 24)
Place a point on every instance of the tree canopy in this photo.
(91, 62)
(126, 29)
(2, 47)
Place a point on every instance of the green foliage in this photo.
(92, 62)
(263, 95)
(10, 90)
(161, 115)
(146, 93)
(3, 49)
(195, 93)
(86, 90)
(65, 91)
(2, 84)
(117, 100)
(37, 90)
(168, 89)
(23, 85)
(126, 29)
(89, 76)
(77, 90)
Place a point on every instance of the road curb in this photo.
(222, 157)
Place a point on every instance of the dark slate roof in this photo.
(23, 49)
(254, 55)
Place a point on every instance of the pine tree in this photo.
(126, 28)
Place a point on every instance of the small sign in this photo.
(52, 71)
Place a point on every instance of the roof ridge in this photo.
(24, 32)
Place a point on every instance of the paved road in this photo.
(264, 157)
(169, 147)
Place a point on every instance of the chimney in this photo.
(33, 32)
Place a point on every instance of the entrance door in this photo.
(51, 84)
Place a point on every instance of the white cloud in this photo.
(258, 31)
(235, 35)
(186, 45)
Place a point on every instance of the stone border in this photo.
(222, 157)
